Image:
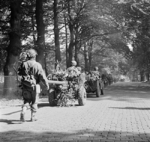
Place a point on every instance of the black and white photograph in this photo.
(74, 70)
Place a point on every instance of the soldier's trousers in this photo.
(30, 99)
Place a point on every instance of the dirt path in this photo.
(121, 115)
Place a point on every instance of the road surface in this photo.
(121, 115)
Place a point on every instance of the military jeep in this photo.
(94, 84)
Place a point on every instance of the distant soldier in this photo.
(82, 76)
(31, 73)
(98, 76)
(73, 71)
(96, 72)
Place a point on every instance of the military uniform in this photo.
(31, 69)
(98, 76)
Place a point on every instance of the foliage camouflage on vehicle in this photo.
(63, 95)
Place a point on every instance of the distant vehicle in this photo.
(94, 84)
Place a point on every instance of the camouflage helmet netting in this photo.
(96, 68)
(23, 56)
(74, 63)
(31, 53)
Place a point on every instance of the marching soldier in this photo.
(31, 73)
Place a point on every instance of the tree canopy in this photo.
(92, 32)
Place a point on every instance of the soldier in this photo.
(96, 72)
(32, 73)
(82, 76)
(98, 76)
(73, 70)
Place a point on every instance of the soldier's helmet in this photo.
(96, 68)
(23, 56)
(31, 53)
(73, 63)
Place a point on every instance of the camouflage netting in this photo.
(92, 76)
(67, 95)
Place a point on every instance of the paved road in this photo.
(121, 115)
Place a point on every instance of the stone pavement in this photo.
(121, 115)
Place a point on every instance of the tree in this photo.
(136, 21)
(14, 46)
(40, 44)
(56, 31)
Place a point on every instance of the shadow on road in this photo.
(81, 135)
(12, 112)
(46, 104)
(132, 108)
(10, 121)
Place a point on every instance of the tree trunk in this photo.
(77, 52)
(86, 57)
(56, 32)
(66, 35)
(14, 48)
(33, 23)
(71, 29)
(77, 44)
(147, 76)
(90, 54)
(71, 45)
(77, 55)
(40, 33)
(142, 75)
(90, 60)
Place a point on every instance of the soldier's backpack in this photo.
(28, 80)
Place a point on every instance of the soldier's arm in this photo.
(42, 76)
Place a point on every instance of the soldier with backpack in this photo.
(31, 73)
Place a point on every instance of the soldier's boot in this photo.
(33, 116)
(22, 117)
